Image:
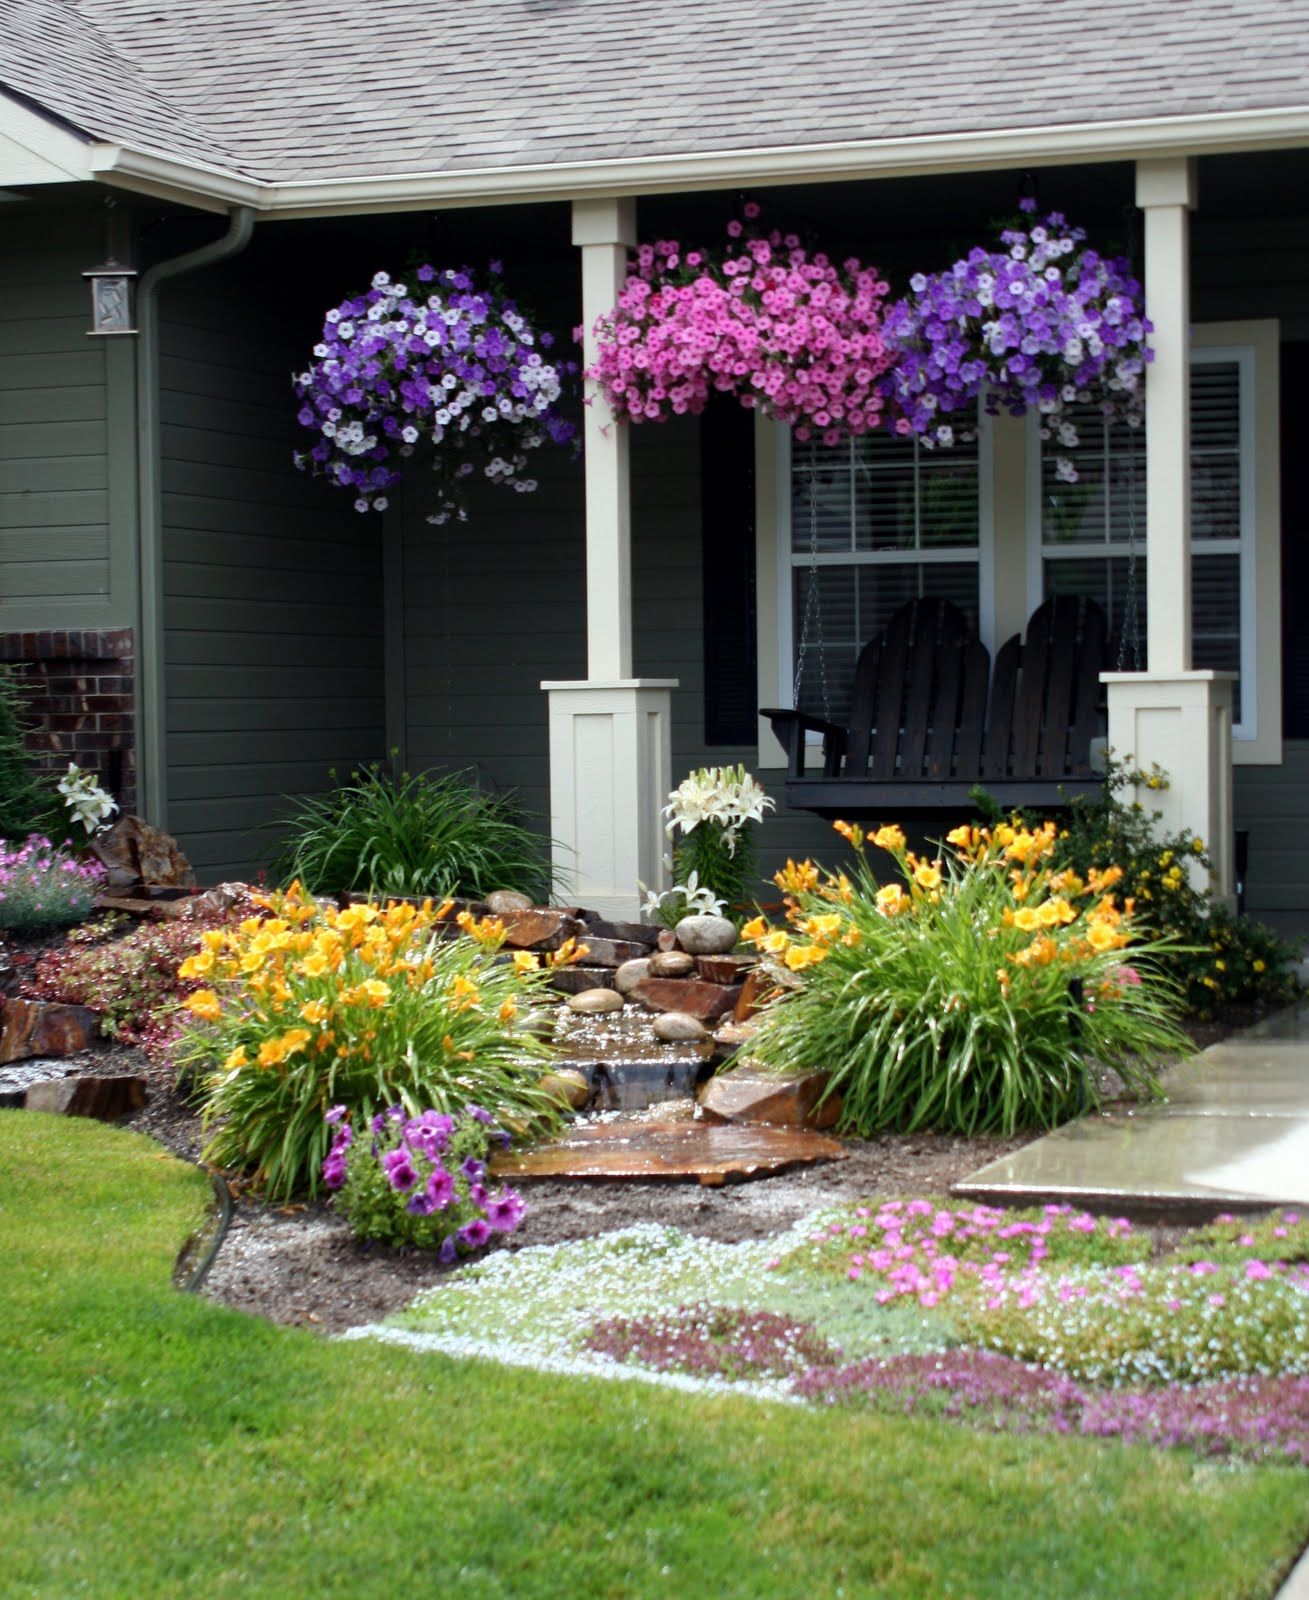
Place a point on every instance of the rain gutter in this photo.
(151, 733)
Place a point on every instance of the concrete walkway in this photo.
(1233, 1131)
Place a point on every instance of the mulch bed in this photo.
(301, 1265)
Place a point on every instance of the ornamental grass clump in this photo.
(421, 1180)
(979, 992)
(44, 887)
(413, 835)
(308, 1007)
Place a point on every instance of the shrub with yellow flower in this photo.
(945, 997)
(307, 1007)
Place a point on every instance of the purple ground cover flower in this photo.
(715, 1341)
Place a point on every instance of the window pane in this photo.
(1216, 617)
(857, 603)
(1215, 451)
(948, 509)
(820, 497)
(1216, 406)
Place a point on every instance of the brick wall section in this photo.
(80, 687)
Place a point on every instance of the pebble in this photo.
(501, 900)
(593, 1002)
(671, 964)
(678, 1027)
(631, 973)
(706, 936)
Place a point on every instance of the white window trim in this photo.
(775, 563)
(1253, 346)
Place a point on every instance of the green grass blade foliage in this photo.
(983, 992)
(413, 835)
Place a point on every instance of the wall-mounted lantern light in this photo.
(111, 298)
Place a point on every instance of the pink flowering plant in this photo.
(44, 886)
(421, 1180)
(1042, 323)
(763, 318)
(439, 358)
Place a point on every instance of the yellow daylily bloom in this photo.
(238, 1058)
(851, 832)
(315, 1011)
(800, 956)
(204, 1004)
(509, 1010)
(890, 838)
(892, 900)
(524, 962)
(776, 942)
(755, 929)
(1027, 918)
(927, 875)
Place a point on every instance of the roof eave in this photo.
(1125, 139)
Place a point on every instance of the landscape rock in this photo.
(724, 969)
(568, 1085)
(501, 900)
(104, 1098)
(706, 935)
(631, 973)
(704, 1001)
(576, 980)
(645, 934)
(222, 897)
(678, 1027)
(540, 928)
(44, 1028)
(595, 1002)
(667, 939)
(133, 852)
(610, 952)
(672, 964)
(732, 1035)
(787, 1100)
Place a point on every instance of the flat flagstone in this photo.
(714, 1153)
(1234, 1128)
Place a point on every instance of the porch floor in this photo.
(1233, 1131)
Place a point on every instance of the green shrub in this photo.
(413, 835)
(947, 999)
(25, 807)
(1216, 958)
(367, 1008)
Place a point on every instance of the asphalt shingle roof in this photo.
(291, 89)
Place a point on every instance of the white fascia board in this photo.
(36, 150)
(212, 188)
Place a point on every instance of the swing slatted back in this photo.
(929, 719)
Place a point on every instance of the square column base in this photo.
(1183, 723)
(610, 772)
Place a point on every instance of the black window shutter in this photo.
(728, 557)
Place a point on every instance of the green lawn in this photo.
(154, 1444)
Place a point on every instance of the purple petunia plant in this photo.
(1041, 324)
(439, 359)
(421, 1180)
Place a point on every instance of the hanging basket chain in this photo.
(812, 621)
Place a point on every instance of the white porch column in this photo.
(1171, 715)
(611, 734)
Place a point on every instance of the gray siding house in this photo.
(217, 631)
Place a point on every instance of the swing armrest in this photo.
(791, 727)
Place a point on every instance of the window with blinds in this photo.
(874, 522)
(1093, 531)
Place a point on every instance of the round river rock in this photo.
(671, 964)
(706, 936)
(631, 973)
(679, 1027)
(593, 1002)
(500, 900)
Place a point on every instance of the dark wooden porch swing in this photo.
(929, 720)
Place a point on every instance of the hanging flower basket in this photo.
(1042, 324)
(440, 359)
(763, 319)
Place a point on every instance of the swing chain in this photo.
(813, 602)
